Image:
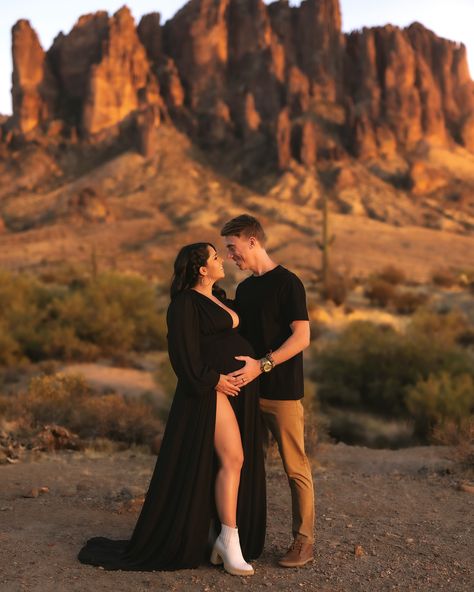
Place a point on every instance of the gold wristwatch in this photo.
(267, 363)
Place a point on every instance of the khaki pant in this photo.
(285, 420)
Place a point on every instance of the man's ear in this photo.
(252, 242)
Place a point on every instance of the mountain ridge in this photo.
(270, 101)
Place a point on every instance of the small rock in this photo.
(359, 551)
(34, 492)
(466, 487)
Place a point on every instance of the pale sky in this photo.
(453, 19)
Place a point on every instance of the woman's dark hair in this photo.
(186, 269)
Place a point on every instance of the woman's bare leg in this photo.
(228, 445)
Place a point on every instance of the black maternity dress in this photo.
(173, 527)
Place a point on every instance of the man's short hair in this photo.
(246, 226)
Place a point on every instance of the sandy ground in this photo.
(403, 508)
(128, 381)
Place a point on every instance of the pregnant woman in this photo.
(210, 468)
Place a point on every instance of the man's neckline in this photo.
(266, 273)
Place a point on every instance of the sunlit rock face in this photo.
(33, 86)
(405, 86)
(97, 75)
(123, 61)
(280, 79)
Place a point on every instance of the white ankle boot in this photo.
(227, 550)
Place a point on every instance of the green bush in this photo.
(23, 307)
(110, 314)
(365, 429)
(439, 399)
(10, 350)
(369, 367)
(444, 328)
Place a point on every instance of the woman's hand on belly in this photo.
(227, 385)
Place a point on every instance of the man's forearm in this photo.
(295, 344)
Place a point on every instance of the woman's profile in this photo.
(210, 468)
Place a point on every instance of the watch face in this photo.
(267, 366)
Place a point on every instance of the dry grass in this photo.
(67, 401)
(459, 437)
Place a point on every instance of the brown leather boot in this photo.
(300, 553)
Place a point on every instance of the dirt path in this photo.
(414, 526)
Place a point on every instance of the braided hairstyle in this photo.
(186, 269)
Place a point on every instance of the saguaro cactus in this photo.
(325, 244)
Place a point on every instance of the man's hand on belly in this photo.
(250, 371)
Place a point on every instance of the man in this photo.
(273, 317)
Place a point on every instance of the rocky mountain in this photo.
(275, 98)
(239, 67)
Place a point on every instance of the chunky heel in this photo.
(227, 551)
(216, 559)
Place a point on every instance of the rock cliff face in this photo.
(92, 79)
(239, 71)
(33, 87)
(405, 86)
(124, 62)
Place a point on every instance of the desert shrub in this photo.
(316, 426)
(369, 367)
(66, 400)
(379, 292)
(366, 429)
(443, 277)
(438, 399)
(361, 369)
(10, 350)
(336, 288)
(392, 275)
(55, 398)
(466, 338)
(460, 436)
(407, 302)
(61, 342)
(23, 305)
(93, 316)
(117, 418)
(6, 407)
(445, 327)
(107, 315)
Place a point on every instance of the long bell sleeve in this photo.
(184, 346)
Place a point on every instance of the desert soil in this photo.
(387, 520)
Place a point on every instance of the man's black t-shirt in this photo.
(267, 304)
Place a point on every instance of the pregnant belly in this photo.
(219, 351)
